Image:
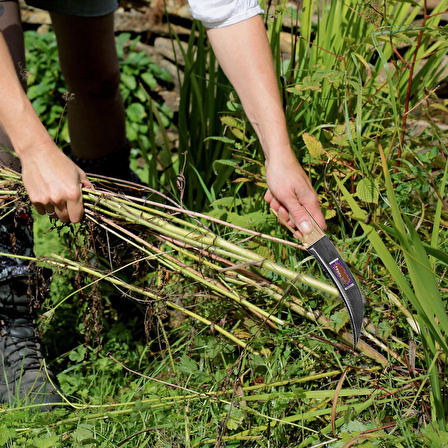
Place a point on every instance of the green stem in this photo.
(205, 239)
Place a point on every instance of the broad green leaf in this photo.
(308, 84)
(132, 131)
(84, 434)
(187, 365)
(40, 89)
(367, 191)
(129, 81)
(136, 112)
(437, 253)
(140, 94)
(140, 406)
(227, 202)
(218, 213)
(149, 79)
(327, 210)
(356, 425)
(40, 105)
(239, 134)
(166, 110)
(261, 249)
(247, 220)
(339, 319)
(161, 73)
(232, 122)
(78, 354)
(437, 438)
(122, 38)
(225, 140)
(341, 136)
(313, 145)
(6, 434)
(233, 107)
(425, 282)
(329, 213)
(235, 419)
(217, 164)
(46, 442)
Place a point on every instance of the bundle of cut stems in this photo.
(186, 246)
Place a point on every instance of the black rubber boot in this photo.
(24, 378)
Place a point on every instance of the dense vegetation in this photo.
(183, 335)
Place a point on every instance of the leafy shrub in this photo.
(140, 79)
(140, 76)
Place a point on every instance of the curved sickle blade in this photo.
(321, 248)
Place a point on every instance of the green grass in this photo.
(162, 373)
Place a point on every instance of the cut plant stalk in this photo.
(62, 262)
(197, 243)
(176, 265)
(206, 239)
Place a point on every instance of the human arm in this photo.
(52, 180)
(241, 46)
(244, 54)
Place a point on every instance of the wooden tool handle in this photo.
(316, 232)
(308, 240)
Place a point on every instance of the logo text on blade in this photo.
(341, 272)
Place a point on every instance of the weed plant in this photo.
(364, 116)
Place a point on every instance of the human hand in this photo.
(54, 183)
(289, 191)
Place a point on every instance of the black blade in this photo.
(335, 268)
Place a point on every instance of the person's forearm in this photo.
(53, 182)
(244, 54)
(17, 115)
